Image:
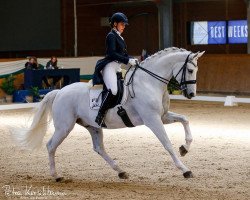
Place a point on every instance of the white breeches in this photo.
(109, 76)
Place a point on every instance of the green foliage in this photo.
(34, 91)
(8, 85)
(173, 85)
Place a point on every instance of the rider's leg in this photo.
(109, 76)
(108, 96)
(110, 80)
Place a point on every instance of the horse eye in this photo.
(190, 71)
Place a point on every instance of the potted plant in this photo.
(33, 95)
(173, 87)
(8, 87)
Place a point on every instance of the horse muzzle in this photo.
(189, 96)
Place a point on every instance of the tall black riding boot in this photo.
(106, 104)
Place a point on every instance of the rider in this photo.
(106, 69)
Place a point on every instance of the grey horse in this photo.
(149, 106)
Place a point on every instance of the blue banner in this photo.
(237, 31)
(217, 32)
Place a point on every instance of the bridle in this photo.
(183, 83)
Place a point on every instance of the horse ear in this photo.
(198, 54)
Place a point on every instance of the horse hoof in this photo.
(183, 151)
(188, 174)
(59, 179)
(123, 175)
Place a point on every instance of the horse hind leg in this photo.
(97, 138)
(171, 117)
(58, 137)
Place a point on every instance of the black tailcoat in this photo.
(116, 50)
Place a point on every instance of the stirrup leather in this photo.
(99, 119)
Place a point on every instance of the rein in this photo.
(183, 84)
(163, 80)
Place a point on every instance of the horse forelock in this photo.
(162, 53)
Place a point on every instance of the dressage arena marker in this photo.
(228, 101)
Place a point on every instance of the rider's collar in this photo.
(118, 32)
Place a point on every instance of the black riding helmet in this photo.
(118, 17)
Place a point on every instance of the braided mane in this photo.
(162, 53)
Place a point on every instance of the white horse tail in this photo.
(31, 138)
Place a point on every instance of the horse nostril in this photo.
(191, 94)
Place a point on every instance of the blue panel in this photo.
(217, 32)
(19, 95)
(237, 31)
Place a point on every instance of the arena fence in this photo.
(228, 101)
(18, 106)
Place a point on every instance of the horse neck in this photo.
(164, 66)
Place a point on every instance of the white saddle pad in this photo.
(95, 96)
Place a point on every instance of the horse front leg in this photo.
(98, 146)
(171, 117)
(52, 145)
(155, 124)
